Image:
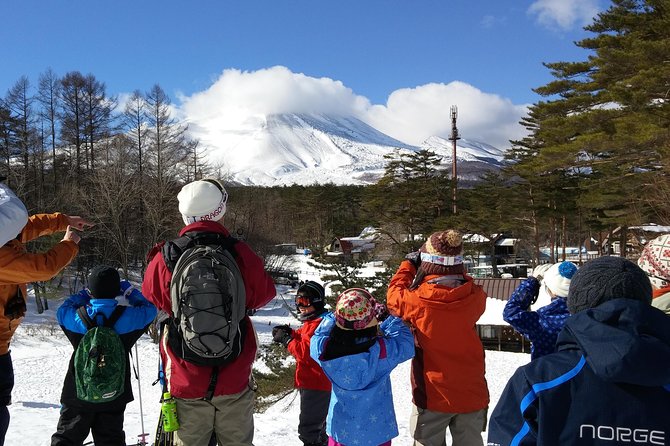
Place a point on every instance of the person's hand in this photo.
(82, 297)
(414, 258)
(126, 288)
(71, 235)
(281, 334)
(78, 223)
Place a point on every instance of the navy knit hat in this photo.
(104, 282)
(607, 278)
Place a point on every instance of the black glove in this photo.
(15, 308)
(414, 258)
(282, 334)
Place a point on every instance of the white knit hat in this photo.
(202, 200)
(558, 276)
(655, 261)
(13, 214)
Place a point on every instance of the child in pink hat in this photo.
(357, 354)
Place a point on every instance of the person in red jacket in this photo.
(311, 382)
(229, 412)
(442, 304)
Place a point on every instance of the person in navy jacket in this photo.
(609, 380)
(104, 420)
(358, 354)
(541, 327)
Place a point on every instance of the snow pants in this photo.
(230, 417)
(313, 413)
(6, 386)
(75, 423)
(429, 428)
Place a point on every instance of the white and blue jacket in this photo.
(361, 403)
(130, 326)
(607, 384)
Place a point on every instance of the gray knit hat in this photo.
(607, 278)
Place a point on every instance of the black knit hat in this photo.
(104, 282)
(607, 278)
(314, 292)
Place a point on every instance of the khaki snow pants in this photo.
(229, 416)
(429, 428)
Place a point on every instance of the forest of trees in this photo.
(595, 158)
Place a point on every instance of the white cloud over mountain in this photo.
(238, 98)
(564, 14)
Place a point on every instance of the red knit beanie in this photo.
(443, 253)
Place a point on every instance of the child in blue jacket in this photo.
(358, 354)
(541, 327)
(103, 419)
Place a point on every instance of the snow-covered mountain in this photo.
(284, 149)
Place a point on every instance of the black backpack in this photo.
(208, 299)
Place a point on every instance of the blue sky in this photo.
(372, 47)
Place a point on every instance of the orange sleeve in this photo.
(399, 299)
(23, 267)
(43, 224)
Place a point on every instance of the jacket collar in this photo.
(204, 226)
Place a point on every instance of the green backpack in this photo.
(100, 360)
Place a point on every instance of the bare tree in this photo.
(48, 97)
(72, 115)
(97, 115)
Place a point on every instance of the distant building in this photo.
(636, 238)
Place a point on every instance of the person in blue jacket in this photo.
(609, 380)
(104, 420)
(541, 327)
(358, 354)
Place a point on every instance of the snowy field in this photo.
(41, 353)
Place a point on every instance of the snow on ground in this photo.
(41, 353)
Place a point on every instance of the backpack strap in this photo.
(89, 322)
(173, 249)
(116, 314)
(85, 318)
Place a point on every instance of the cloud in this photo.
(414, 114)
(237, 100)
(236, 95)
(564, 13)
(489, 21)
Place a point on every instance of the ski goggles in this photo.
(302, 301)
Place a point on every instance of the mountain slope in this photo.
(284, 149)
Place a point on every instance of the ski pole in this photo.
(143, 435)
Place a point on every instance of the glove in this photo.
(282, 334)
(538, 271)
(15, 308)
(381, 312)
(81, 298)
(126, 288)
(414, 258)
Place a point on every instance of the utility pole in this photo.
(453, 138)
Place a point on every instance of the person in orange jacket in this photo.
(313, 385)
(432, 293)
(19, 267)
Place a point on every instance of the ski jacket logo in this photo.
(100, 360)
(208, 299)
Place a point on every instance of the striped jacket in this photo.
(607, 384)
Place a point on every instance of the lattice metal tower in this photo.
(453, 138)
